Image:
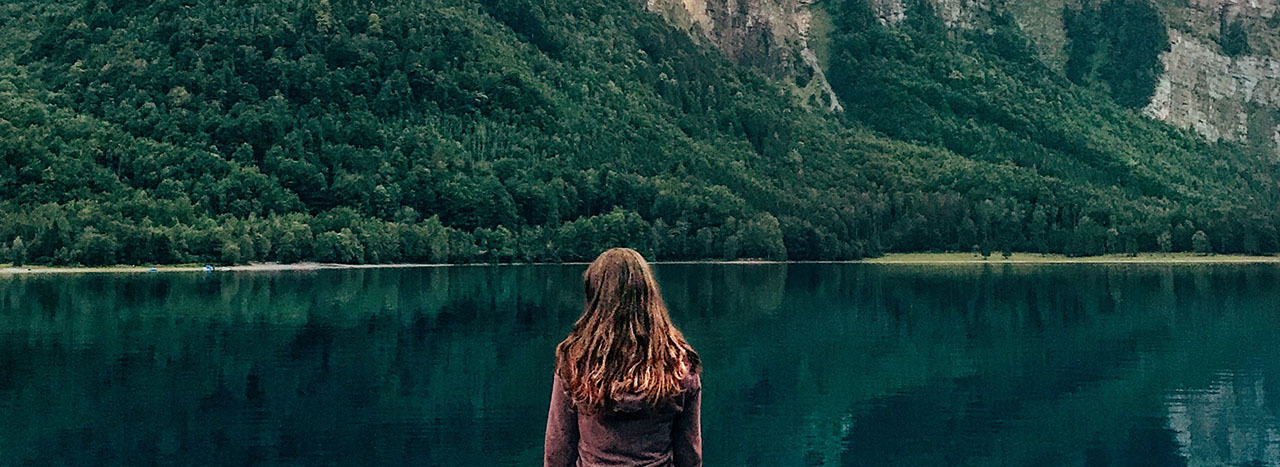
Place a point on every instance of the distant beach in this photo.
(255, 267)
(1035, 258)
(892, 258)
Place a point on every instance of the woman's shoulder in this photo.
(692, 379)
(691, 382)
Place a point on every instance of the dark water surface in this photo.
(806, 365)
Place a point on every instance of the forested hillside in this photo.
(546, 130)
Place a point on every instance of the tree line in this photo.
(510, 130)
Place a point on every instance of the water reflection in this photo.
(1231, 422)
(807, 365)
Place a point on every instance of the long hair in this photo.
(624, 343)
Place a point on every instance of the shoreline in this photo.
(891, 259)
(252, 267)
(1051, 259)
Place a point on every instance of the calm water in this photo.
(806, 365)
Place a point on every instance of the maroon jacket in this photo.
(630, 434)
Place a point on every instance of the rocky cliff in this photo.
(771, 35)
(1218, 94)
(954, 13)
(1219, 97)
(1218, 81)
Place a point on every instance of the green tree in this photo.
(1182, 235)
(293, 238)
(584, 238)
(1200, 243)
(760, 237)
(18, 252)
(1131, 247)
(324, 16)
(427, 242)
(1088, 239)
(1232, 37)
(231, 252)
(496, 245)
(342, 246)
(1165, 242)
(1038, 229)
(94, 248)
(1113, 240)
(1116, 43)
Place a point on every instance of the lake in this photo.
(806, 364)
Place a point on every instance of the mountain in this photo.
(1217, 72)
(515, 130)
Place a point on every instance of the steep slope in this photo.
(771, 36)
(1223, 89)
(506, 130)
(1217, 75)
(1021, 51)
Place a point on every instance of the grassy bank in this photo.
(893, 258)
(1034, 258)
(122, 269)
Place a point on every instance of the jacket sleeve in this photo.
(686, 436)
(560, 448)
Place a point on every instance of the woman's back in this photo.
(629, 434)
(627, 389)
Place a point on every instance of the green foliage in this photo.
(18, 252)
(1117, 44)
(1088, 239)
(1044, 164)
(582, 239)
(94, 249)
(1200, 243)
(1112, 240)
(760, 237)
(511, 130)
(1165, 242)
(1233, 38)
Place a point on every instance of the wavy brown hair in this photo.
(624, 343)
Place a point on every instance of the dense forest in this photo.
(231, 131)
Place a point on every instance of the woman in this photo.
(627, 390)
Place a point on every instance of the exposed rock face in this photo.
(751, 32)
(1218, 96)
(1203, 20)
(964, 14)
(889, 11)
(1236, 8)
(770, 35)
